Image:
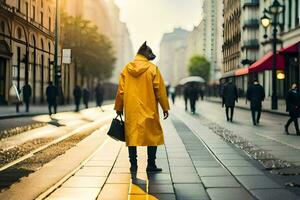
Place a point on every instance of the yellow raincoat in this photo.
(141, 88)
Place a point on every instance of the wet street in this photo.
(204, 157)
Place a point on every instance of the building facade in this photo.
(26, 46)
(213, 20)
(232, 35)
(106, 16)
(172, 59)
(196, 42)
(256, 50)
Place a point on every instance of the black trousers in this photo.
(293, 118)
(193, 105)
(50, 105)
(151, 152)
(77, 104)
(27, 106)
(256, 118)
(231, 112)
(185, 102)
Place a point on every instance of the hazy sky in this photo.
(150, 19)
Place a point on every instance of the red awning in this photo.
(241, 71)
(266, 63)
(294, 48)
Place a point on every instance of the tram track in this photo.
(18, 168)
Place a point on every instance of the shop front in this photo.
(287, 68)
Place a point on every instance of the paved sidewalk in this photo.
(266, 105)
(10, 111)
(197, 164)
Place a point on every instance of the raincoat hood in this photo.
(138, 66)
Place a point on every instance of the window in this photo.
(42, 44)
(19, 33)
(42, 3)
(42, 18)
(33, 13)
(296, 12)
(2, 27)
(19, 5)
(26, 5)
(290, 14)
(49, 23)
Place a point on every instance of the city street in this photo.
(155, 100)
(197, 162)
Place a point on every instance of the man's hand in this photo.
(119, 113)
(166, 114)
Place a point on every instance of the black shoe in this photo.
(298, 133)
(286, 129)
(133, 169)
(231, 120)
(153, 168)
(254, 124)
(228, 119)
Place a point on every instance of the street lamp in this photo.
(56, 71)
(274, 10)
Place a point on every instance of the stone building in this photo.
(248, 54)
(213, 20)
(26, 46)
(232, 36)
(206, 39)
(172, 59)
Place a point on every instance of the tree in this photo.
(199, 66)
(91, 51)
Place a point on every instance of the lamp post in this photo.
(274, 11)
(56, 76)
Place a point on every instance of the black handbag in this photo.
(117, 129)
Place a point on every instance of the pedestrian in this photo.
(77, 97)
(193, 96)
(256, 95)
(172, 91)
(26, 95)
(52, 94)
(86, 97)
(186, 93)
(99, 91)
(141, 88)
(201, 92)
(293, 107)
(230, 96)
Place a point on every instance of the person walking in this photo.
(86, 97)
(141, 88)
(77, 97)
(256, 95)
(186, 93)
(52, 94)
(99, 91)
(172, 91)
(293, 107)
(230, 96)
(27, 92)
(193, 96)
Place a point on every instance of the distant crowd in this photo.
(52, 94)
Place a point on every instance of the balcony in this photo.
(250, 3)
(251, 23)
(251, 44)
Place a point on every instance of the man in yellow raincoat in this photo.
(141, 88)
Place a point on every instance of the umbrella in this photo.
(189, 79)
